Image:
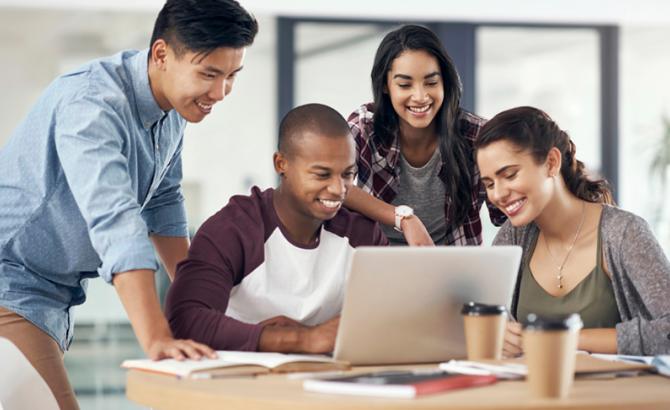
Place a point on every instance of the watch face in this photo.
(404, 211)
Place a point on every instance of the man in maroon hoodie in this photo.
(267, 271)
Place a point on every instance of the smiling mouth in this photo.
(513, 207)
(332, 204)
(420, 109)
(207, 108)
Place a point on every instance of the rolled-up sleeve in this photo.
(165, 213)
(89, 140)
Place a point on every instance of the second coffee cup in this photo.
(484, 330)
(550, 347)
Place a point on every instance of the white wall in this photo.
(644, 100)
(232, 148)
(564, 11)
(224, 155)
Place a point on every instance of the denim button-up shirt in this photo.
(84, 179)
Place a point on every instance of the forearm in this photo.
(192, 320)
(137, 292)
(282, 339)
(296, 338)
(370, 206)
(172, 250)
(598, 340)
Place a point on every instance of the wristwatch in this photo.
(402, 212)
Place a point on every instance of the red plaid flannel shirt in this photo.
(378, 167)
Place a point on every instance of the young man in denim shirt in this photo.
(92, 177)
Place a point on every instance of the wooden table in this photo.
(278, 392)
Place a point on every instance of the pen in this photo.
(210, 376)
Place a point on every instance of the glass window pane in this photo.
(554, 69)
(333, 63)
(645, 103)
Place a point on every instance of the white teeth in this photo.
(421, 109)
(514, 206)
(330, 204)
(205, 107)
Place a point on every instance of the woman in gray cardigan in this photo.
(581, 254)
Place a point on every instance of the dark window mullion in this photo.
(460, 42)
(609, 105)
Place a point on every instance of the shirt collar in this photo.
(147, 107)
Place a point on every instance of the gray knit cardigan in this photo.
(640, 276)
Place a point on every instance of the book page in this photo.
(228, 359)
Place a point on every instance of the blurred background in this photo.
(599, 68)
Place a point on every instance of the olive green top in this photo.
(593, 298)
(640, 274)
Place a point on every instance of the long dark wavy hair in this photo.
(533, 130)
(456, 152)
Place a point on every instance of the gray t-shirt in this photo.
(422, 190)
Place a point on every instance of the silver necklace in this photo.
(560, 266)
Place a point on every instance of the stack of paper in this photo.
(585, 366)
(661, 362)
(509, 371)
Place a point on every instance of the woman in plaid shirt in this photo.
(416, 170)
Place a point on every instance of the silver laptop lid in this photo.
(402, 304)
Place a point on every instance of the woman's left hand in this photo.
(513, 339)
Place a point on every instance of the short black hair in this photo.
(319, 119)
(202, 26)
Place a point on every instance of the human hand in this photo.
(415, 232)
(513, 338)
(321, 338)
(178, 349)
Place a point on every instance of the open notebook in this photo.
(231, 363)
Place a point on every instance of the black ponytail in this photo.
(578, 182)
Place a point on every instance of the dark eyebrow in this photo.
(407, 77)
(505, 168)
(500, 171)
(215, 70)
(324, 168)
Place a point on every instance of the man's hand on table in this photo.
(282, 334)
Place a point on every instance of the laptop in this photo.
(403, 304)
